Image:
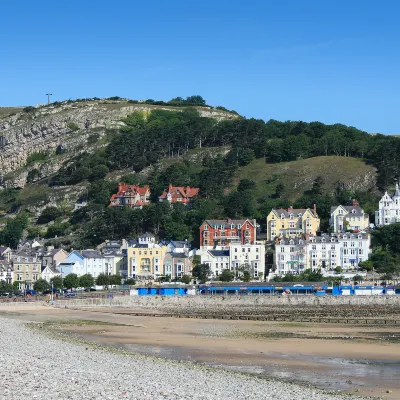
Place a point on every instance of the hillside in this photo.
(298, 176)
(65, 153)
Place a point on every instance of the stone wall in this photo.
(232, 303)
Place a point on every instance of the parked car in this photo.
(31, 292)
(90, 289)
(70, 294)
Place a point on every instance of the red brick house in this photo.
(223, 232)
(132, 196)
(179, 194)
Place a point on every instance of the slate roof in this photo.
(228, 222)
(294, 211)
(219, 253)
(178, 255)
(355, 211)
(146, 235)
(91, 254)
(2, 249)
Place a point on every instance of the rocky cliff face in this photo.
(68, 126)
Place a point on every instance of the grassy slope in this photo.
(6, 111)
(297, 176)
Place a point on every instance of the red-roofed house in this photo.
(179, 194)
(132, 196)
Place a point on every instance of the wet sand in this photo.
(360, 359)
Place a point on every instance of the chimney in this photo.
(315, 210)
(307, 236)
(355, 203)
(120, 185)
(229, 221)
(290, 209)
(169, 187)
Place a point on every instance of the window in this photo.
(257, 250)
(282, 249)
(248, 250)
(314, 247)
(235, 257)
(291, 249)
(243, 250)
(239, 226)
(206, 227)
(257, 257)
(235, 250)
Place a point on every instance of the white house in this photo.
(49, 272)
(325, 252)
(84, 262)
(389, 209)
(233, 256)
(348, 218)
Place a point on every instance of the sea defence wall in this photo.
(198, 303)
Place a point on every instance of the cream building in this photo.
(345, 218)
(292, 222)
(325, 253)
(26, 270)
(145, 259)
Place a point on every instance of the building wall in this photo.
(209, 234)
(341, 220)
(28, 272)
(307, 223)
(145, 262)
(346, 251)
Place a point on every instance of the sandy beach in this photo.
(363, 360)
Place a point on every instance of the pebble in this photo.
(40, 367)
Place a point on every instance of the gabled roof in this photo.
(3, 249)
(179, 244)
(355, 211)
(146, 235)
(181, 191)
(294, 211)
(228, 222)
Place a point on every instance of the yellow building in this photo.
(27, 270)
(292, 222)
(145, 259)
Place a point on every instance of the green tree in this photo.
(246, 277)
(103, 280)
(115, 279)
(98, 172)
(317, 186)
(50, 213)
(202, 272)
(6, 287)
(226, 275)
(41, 285)
(86, 281)
(186, 279)
(71, 281)
(279, 189)
(57, 282)
(130, 281)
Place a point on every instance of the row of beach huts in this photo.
(282, 289)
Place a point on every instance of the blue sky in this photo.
(329, 61)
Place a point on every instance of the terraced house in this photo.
(145, 258)
(26, 270)
(292, 222)
(223, 232)
(325, 252)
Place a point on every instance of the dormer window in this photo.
(353, 211)
(333, 240)
(282, 216)
(299, 215)
(340, 211)
(359, 236)
(291, 216)
(239, 226)
(323, 240)
(344, 236)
